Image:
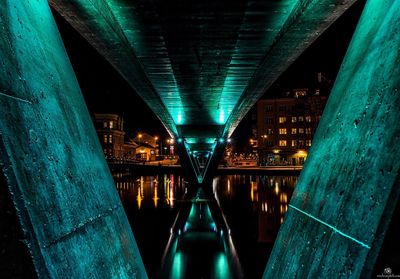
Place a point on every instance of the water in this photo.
(253, 208)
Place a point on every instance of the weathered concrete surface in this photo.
(70, 212)
(350, 184)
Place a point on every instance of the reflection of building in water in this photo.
(272, 205)
(149, 191)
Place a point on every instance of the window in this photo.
(269, 120)
(282, 119)
(105, 124)
(111, 124)
(294, 131)
(282, 108)
(294, 119)
(308, 131)
(308, 142)
(301, 142)
(282, 131)
(308, 118)
(270, 143)
(301, 130)
(268, 108)
(300, 93)
(110, 138)
(270, 132)
(300, 118)
(294, 143)
(282, 143)
(105, 138)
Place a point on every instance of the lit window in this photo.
(105, 138)
(308, 142)
(301, 118)
(294, 119)
(294, 131)
(105, 124)
(308, 118)
(301, 130)
(282, 119)
(293, 143)
(308, 131)
(282, 143)
(300, 93)
(110, 138)
(111, 124)
(282, 131)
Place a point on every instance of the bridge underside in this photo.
(200, 65)
(52, 159)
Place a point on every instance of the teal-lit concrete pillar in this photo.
(74, 224)
(349, 187)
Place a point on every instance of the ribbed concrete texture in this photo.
(71, 215)
(349, 187)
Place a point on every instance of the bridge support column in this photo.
(189, 168)
(74, 223)
(349, 187)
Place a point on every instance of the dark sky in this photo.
(105, 91)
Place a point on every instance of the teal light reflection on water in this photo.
(221, 270)
(178, 266)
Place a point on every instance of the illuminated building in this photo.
(110, 130)
(147, 147)
(286, 126)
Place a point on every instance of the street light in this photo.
(140, 137)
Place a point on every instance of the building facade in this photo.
(147, 147)
(110, 129)
(286, 126)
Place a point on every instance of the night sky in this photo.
(106, 91)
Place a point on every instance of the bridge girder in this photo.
(201, 65)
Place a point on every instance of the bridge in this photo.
(200, 66)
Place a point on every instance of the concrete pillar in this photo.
(349, 187)
(73, 221)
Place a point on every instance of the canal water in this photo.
(231, 232)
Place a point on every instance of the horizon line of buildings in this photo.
(144, 147)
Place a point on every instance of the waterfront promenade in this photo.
(155, 167)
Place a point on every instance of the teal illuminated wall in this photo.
(349, 187)
(74, 223)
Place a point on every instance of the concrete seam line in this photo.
(15, 98)
(81, 226)
(331, 227)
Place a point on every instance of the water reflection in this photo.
(254, 207)
(146, 188)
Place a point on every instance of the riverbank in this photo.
(155, 169)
